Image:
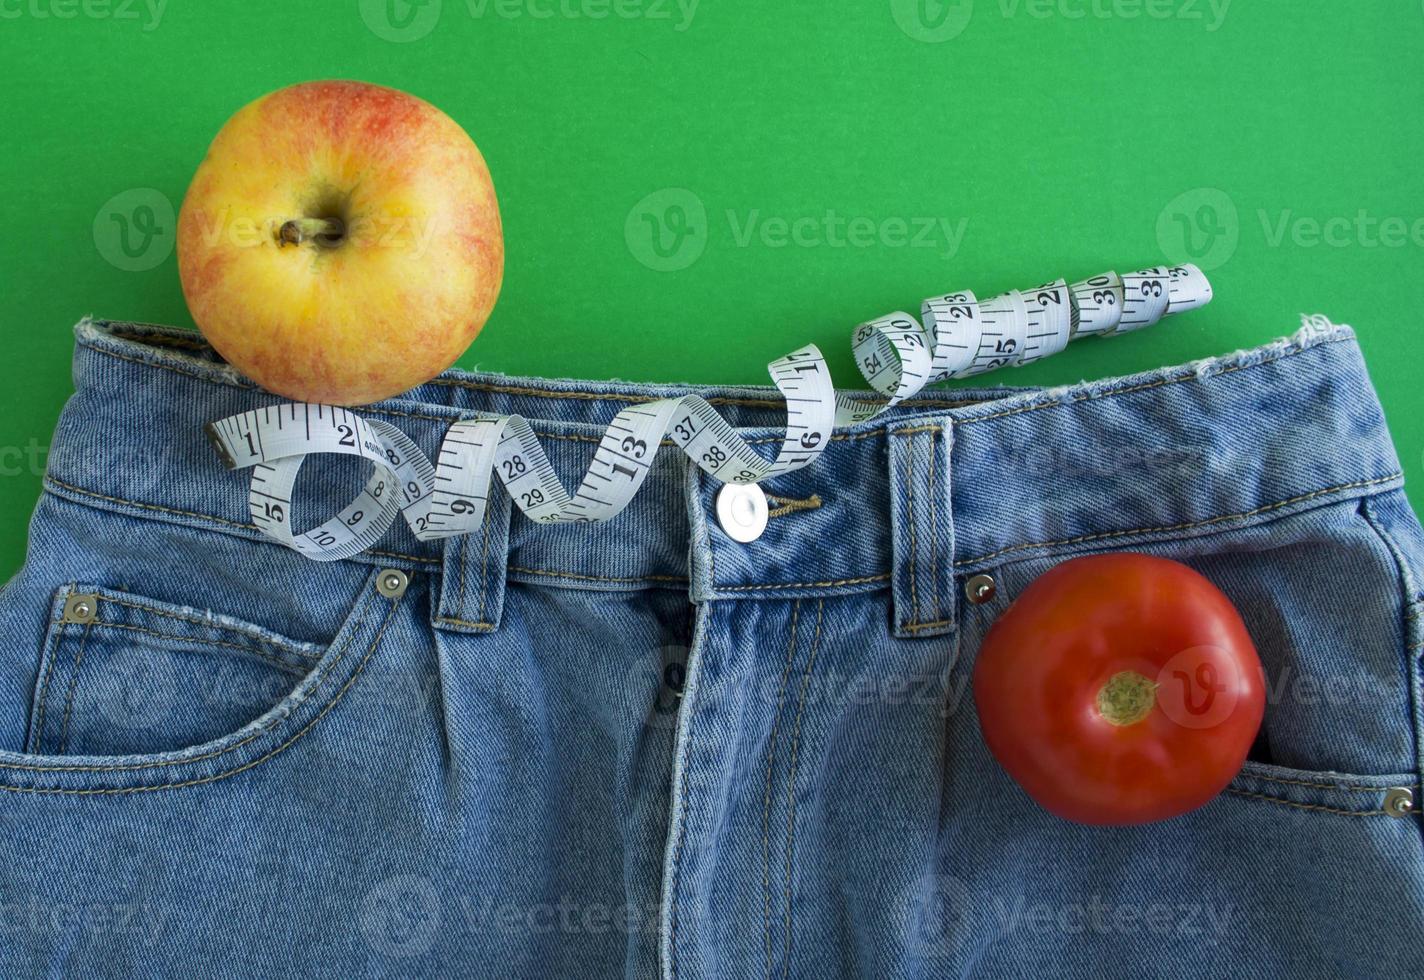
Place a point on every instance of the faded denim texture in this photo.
(643, 749)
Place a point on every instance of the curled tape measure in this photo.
(957, 335)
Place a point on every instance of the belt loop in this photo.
(473, 571)
(922, 529)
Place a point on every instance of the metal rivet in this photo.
(392, 583)
(1399, 802)
(980, 589)
(80, 608)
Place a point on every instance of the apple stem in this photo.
(324, 231)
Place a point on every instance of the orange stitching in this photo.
(1187, 526)
(73, 684)
(923, 428)
(934, 527)
(597, 578)
(452, 621)
(200, 642)
(292, 646)
(910, 502)
(1352, 789)
(1308, 806)
(53, 649)
(915, 627)
(395, 554)
(790, 506)
(805, 585)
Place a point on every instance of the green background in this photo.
(1063, 137)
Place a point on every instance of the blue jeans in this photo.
(644, 749)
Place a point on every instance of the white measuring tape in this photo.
(956, 336)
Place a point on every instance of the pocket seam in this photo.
(48, 659)
(241, 648)
(73, 686)
(1315, 807)
(1186, 526)
(1331, 786)
(153, 609)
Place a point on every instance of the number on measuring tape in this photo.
(956, 335)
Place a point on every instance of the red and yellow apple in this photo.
(340, 242)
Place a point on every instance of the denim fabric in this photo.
(643, 749)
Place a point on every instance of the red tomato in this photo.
(1120, 689)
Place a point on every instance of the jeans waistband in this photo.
(942, 486)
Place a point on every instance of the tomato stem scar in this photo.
(1127, 698)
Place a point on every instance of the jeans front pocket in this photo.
(122, 674)
(112, 723)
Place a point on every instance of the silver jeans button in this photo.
(742, 511)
